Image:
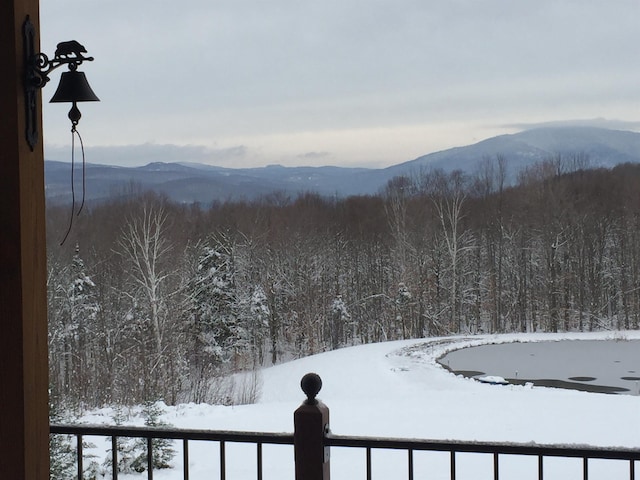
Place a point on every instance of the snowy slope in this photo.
(396, 389)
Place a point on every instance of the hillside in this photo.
(604, 148)
(189, 183)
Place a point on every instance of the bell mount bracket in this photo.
(37, 69)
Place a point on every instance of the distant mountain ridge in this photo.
(605, 148)
(189, 183)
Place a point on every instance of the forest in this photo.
(150, 299)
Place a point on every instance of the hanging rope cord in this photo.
(75, 132)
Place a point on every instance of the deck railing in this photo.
(312, 442)
(184, 435)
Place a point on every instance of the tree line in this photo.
(150, 299)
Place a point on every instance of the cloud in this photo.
(611, 124)
(314, 155)
(135, 155)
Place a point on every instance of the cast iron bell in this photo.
(74, 87)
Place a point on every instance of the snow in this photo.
(492, 379)
(397, 389)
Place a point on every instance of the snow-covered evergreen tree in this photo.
(132, 452)
(258, 322)
(127, 448)
(340, 319)
(61, 449)
(404, 300)
(163, 451)
(72, 331)
(214, 311)
(213, 305)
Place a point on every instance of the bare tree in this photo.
(449, 195)
(145, 249)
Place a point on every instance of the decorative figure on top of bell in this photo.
(73, 86)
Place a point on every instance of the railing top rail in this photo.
(549, 450)
(174, 433)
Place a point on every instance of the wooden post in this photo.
(311, 423)
(24, 409)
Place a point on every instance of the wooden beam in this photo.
(24, 420)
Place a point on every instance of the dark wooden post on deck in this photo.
(311, 423)
(24, 414)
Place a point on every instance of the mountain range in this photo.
(189, 182)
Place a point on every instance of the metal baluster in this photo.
(540, 467)
(368, 463)
(114, 457)
(411, 464)
(149, 458)
(632, 469)
(259, 453)
(80, 455)
(496, 468)
(585, 468)
(223, 472)
(185, 459)
(453, 465)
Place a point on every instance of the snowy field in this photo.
(397, 389)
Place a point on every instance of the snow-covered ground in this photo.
(397, 389)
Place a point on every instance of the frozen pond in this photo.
(604, 366)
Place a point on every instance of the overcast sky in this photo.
(343, 82)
